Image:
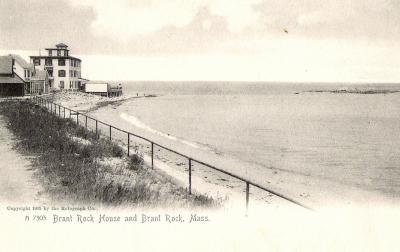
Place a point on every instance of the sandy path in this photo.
(17, 181)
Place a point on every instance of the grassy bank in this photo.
(76, 166)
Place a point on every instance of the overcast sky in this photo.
(252, 40)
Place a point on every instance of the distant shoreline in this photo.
(352, 91)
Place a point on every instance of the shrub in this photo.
(136, 162)
(116, 150)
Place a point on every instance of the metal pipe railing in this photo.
(43, 102)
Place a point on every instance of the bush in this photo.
(117, 151)
(136, 162)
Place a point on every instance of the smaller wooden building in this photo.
(103, 89)
(10, 83)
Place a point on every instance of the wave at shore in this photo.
(137, 123)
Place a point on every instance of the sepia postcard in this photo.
(199, 125)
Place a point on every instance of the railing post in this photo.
(247, 197)
(129, 140)
(110, 133)
(64, 112)
(97, 134)
(190, 176)
(77, 118)
(86, 121)
(152, 155)
(59, 111)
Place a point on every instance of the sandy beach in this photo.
(316, 192)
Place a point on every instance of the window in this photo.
(58, 53)
(75, 73)
(50, 72)
(71, 62)
(61, 62)
(61, 84)
(50, 52)
(61, 73)
(36, 62)
(65, 53)
(48, 62)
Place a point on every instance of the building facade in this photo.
(64, 70)
(103, 89)
(39, 83)
(18, 78)
(11, 84)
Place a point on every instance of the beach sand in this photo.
(317, 193)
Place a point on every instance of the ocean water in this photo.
(351, 139)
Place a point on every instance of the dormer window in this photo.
(58, 52)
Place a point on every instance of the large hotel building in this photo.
(64, 70)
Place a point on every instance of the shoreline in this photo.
(313, 191)
(206, 181)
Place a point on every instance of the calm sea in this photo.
(351, 139)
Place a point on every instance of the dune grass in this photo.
(77, 166)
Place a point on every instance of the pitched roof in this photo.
(21, 61)
(6, 66)
(11, 80)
